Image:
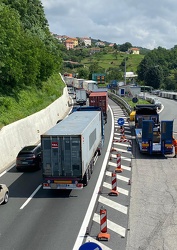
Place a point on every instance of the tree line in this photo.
(29, 54)
(159, 69)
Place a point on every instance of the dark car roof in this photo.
(30, 148)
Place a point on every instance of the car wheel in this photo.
(6, 198)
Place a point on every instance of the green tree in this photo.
(10, 66)
(124, 47)
(114, 74)
(83, 73)
(94, 68)
(154, 77)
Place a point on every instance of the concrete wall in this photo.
(28, 130)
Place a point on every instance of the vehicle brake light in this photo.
(46, 185)
(80, 185)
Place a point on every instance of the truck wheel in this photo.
(6, 198)
(99, 151)
(86, 178)
(91, 168)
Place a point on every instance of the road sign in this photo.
(134, 99)
(120, 121)
(90, 246)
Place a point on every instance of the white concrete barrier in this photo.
(27, 131)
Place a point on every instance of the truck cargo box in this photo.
(68, 148)
(99, 99)
(78, 83)
(81, 96)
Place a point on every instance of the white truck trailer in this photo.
(89, 86)
(81, 96)
(70, 150)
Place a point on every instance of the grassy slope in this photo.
(30, 100)
(114, 60)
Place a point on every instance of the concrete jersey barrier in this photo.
(15, 136)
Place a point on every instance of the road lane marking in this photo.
(114, 155)
(111, 225)
(103, 247)
(31, 196)
(5, 171)
(122, 166)
(113, 204)
(93, 200)
(120, 190)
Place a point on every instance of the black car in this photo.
(29, 158)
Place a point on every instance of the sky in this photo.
(143, 23)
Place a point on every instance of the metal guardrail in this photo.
(121, 102)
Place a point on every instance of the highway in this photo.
(43, 219)
(142, 216)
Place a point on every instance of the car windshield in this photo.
(24, 154)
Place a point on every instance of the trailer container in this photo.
(99, 99)
(70, 150)
(81, 96)
(78, 83)
(89, 86)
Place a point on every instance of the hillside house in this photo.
(86, 40)
(100, 44)
(135, 51)
(70, 43)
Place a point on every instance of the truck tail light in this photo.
(46, 184)
(80, 185)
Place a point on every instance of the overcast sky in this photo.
(145, 23)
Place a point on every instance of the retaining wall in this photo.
(27, 131)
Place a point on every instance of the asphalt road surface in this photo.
(153, 204)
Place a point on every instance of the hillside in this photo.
(106, 60)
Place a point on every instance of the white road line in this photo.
(31, 196)
(120, 150)
(120, 190)
(125, 131)
(122, 166)
(111, 225)
(5, 171)
(120, 177)
(129, 136)
(93, 200)
(103, 247)
(113, 204)
(125, 144)
(114, 156)
(119, 114)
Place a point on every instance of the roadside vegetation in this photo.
(31, 59)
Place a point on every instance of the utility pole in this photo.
(125, 72)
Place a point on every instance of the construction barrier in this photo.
(114, 191)
(122, 130)
(123, 140)
(103, 235)
(118, 168)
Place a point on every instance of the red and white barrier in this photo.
(118, 168)
(123, 140)
(114, 185)
(103, 235)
